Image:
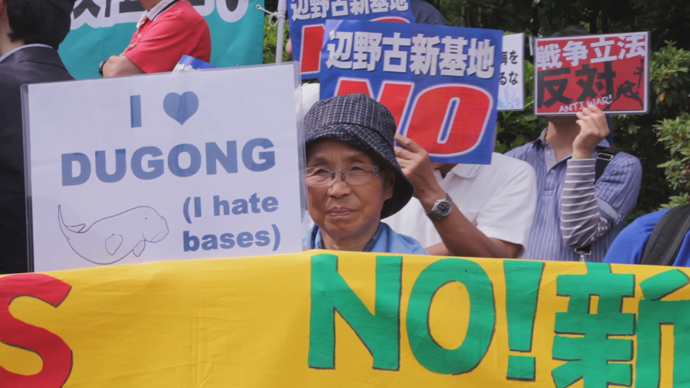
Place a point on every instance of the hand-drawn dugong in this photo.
(111, 239)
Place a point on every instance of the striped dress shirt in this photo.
(573, 211)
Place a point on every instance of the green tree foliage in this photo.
(675, 134)
(657, 137)
(666, 19)
(270, 39)
(670, 84)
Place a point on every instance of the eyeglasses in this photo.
(355, 174)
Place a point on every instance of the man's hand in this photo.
(593, 129)
(459, 236)
(120, 65)
(415, 163)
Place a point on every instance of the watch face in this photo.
(443, 208)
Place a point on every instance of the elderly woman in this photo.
(353, 178)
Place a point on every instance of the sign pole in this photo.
(282, 8)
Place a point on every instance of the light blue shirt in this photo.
(616, 193)
(385, 240)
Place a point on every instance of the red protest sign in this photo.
(609, 71)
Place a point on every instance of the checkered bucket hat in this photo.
(364, 123)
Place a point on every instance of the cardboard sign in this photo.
(161, 167)
(101, 28)
(511, 86)
(439, 82)
(334, 319)
(307, 22)
(609, 71)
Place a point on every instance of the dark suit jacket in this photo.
(25, 66)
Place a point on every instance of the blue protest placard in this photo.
(307, 18)
(440, 83)
(188, 63)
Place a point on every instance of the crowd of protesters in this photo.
(544, 200)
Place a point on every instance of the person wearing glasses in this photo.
(353, 179)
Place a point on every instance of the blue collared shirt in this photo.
(616, 193)
(385, 240)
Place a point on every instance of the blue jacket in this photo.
(630, 243)
(385, 240)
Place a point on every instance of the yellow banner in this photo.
(337, 319)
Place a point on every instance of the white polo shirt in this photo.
(500, 199)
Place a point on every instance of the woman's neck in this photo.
(355, 243)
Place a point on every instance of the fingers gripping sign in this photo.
(593, 129)
(415, 163)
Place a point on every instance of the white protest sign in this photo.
(164, 167)
(511, 86)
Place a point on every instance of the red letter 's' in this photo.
(56, 355)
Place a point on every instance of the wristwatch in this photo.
(441, 208)
(100, 67)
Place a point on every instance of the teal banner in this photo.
(101, 28)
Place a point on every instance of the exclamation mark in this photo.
(522, 287)
(135, 110)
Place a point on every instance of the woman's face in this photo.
(340, 209)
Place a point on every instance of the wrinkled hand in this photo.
(415, 163)
(593, 129)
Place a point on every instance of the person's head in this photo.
(35, 21)
(353, 133)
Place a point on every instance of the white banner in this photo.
(160, 167)
(511, 86)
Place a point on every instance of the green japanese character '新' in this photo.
(584, 332)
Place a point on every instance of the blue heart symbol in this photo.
(181, 107)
